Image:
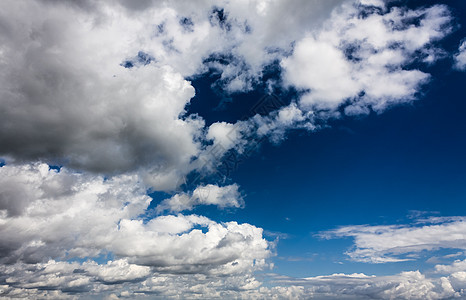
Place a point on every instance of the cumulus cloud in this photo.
(391, 243)
(67, 99)
(362, 61)
(117, 279)
(90, 86)
(105, 92)
(225, 196)
(67, 215)
(103, 88)
(351, 64)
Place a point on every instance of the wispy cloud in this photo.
(393, 243)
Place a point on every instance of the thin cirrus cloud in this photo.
(102, 88)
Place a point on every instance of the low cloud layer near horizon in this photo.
(102, 90)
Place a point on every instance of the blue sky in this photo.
(217, 150)
(379, 169)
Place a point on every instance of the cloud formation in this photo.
(363, 60)
(102, 89)
(105, 92)
(405, 285)
(225, 196)
(391, 243)
(119, 279)
(460, 57)
(66, 215)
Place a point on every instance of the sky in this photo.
(253, 149)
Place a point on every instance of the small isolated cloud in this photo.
(222, 197)
(460, 57)
(393, 243)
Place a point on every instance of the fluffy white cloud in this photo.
(70, 100)
(101, 87)
(460, 57)
(224, 134)
(93, 87)
(67, 99)
(225, 196)
(351, 62)
(65, 215)
(362, 60)
(323, 69)
(391, 243)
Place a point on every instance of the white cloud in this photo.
(406, 285)
(225, 196)
(391, 243)
(66, 215)
(363, 60)
(87, 276)
(460, 57)
(224, 134)
(71, 101)
(68, 99)
(323, 69)
(456, 266)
